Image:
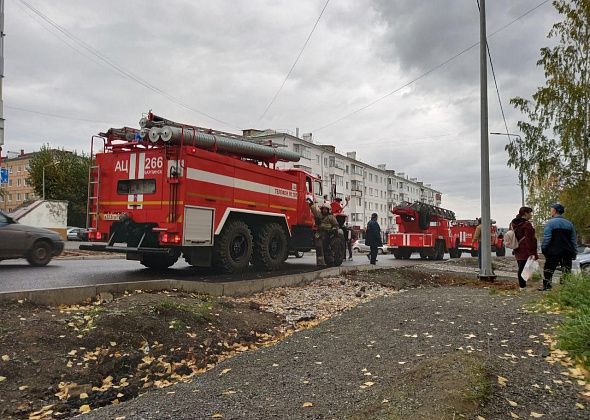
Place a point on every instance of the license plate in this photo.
(111, 216)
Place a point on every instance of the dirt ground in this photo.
(56, 361)
(59, 362)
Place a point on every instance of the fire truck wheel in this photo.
(233, 247)
(159, 262)
(335, 252)
(270, 247)
(439, 250)
(474, 253)
(40, 254)
(501, 252)
(402, 254)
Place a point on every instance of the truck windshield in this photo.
(136, 186)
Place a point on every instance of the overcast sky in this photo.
(226, 60)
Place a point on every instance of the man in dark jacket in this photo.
(373, 238)
(558, 246)
(527, 241)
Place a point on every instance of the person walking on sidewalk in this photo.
(373, 238)
(527, 241)
(558, 246)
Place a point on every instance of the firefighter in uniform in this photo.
(326, 224)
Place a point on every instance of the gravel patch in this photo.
(372, 361)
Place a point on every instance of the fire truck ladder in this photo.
(92, 205)
(428, 208)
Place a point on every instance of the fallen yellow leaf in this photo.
(512, 403)
(307, 404)
(369, 383)
(481, 418)
(2, 378)
(5, 358)
(224, 371)
(217, 416)
(502, 381)
(84, 408)
(580, 406)
(514, 415)
(536, 415)
(22, 388)
(83, 396)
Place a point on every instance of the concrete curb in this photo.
(91, 257)
(80, 294)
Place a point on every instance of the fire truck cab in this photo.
(463, 231)
(168, 190)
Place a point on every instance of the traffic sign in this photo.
(3, 175)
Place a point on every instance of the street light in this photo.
(45, 166)
(520, 171)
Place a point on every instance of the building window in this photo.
(18, 182)
(18, 198)
(317, 159)
(303, 151)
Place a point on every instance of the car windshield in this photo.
(5, 220)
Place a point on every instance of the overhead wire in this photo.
(48, 114)
(429, 71)
(119, 69)
(295, 62)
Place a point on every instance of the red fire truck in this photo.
(170, 189)
(432, 231)
(463, 231)
(421, 228)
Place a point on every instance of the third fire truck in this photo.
(166, 190)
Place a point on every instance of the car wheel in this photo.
(585, 268)
(40, 254)
(356, 249)
(381, 252)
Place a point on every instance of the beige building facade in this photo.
(17, 191)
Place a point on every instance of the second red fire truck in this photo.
(432, 231)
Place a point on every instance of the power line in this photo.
(119, 69)
(429, 71)
(47, 114)
(295, 62)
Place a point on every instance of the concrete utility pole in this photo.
(1, 76)
(520, 172)
(486, 272)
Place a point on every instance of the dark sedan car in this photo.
(37, 245)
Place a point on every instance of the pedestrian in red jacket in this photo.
(527, 241)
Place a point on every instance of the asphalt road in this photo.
(16, 275)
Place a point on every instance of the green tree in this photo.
(66, 178)
(555, 149)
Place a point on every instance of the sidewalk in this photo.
(424, 353)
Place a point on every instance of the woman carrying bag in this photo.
(527, 241)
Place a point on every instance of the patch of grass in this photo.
(177, 324)
(574, 293)
(183, 310)
(574, 333)
(452, 386)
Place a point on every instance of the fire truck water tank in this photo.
(189, 137)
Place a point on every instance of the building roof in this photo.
(332, 149)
